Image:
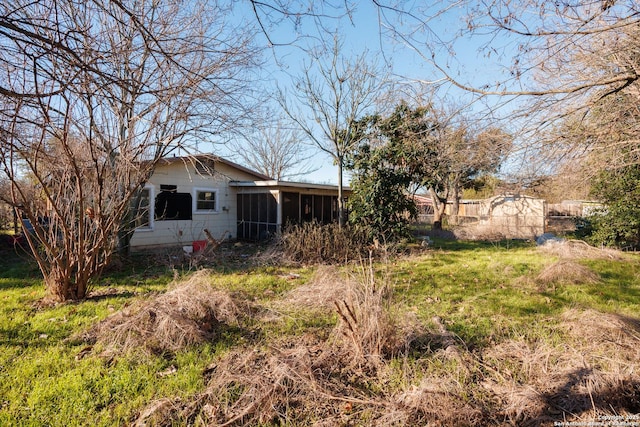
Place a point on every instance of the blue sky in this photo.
(363, 31)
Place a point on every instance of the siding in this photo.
(184, 232)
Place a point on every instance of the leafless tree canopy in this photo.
(93, 94)
(276, 149)
(543, 61)
(332, 94)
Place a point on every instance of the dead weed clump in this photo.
(315, 382)
(190, 313)
(365, 318)
(290, 384)
(440, 401)
(367, 373)
(345, 379)
(313, 243)
(566, 271)
(593, 373)
(578, 249)
(326, 286)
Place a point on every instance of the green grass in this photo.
(487, 290)
(483, 292)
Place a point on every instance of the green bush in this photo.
(618, 223)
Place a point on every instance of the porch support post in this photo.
(279, 210)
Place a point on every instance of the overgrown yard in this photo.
(457, 334)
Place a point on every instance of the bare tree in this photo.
(564, 61)
(332, 94)
(469, 153)
(540, 60)
(277, 150)
(94, 94)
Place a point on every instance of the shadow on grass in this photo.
(621, 291)
(17, 271)
(576, 398)
(473, 245)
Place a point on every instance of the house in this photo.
(186, 195)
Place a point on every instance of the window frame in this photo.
(197, 191)
(150, 210)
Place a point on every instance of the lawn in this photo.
(460, 333)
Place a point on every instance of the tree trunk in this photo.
(455, 206)
(439, 205)
(341, 210)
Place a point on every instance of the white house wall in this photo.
(186, 179)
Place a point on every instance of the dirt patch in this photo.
(192, 312)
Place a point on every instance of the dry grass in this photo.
(365, 320)
(313, 381)
(363, 374)
(189, 314)
(326, 286)
(566, 271)
(578, 249)
(594, 372)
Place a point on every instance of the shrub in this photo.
(316, 243)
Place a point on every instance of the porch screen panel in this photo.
(272, 210)
(257, 216)
(317, 209)
(290, 208)
(306, 204)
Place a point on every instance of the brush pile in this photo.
(189, 314)
(578, 249)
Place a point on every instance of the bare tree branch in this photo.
(113, 87)
(332, 95)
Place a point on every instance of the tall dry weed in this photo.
(313, 243)
(365, 319)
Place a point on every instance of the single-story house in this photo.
(186, 195)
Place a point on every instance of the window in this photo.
(205, 166)
(171, 205)
(143, 209)
(206, 199)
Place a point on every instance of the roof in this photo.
(202, 157)
(272, 183)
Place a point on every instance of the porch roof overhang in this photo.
(287, 185)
